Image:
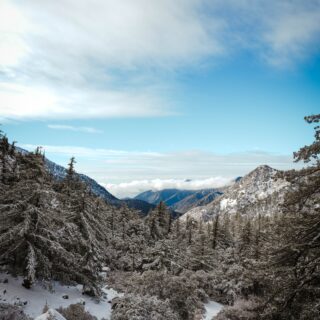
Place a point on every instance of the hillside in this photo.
(256, 193)
(196, 199)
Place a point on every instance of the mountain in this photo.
(197, 198)
(169, 196)
(59, 173)
(140, 205)
(259, 192)
(180, 200)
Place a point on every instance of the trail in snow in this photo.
(36, 297)
(212, 309)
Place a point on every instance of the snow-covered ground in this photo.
(212, 309)
(36, 297)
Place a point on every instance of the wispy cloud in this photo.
(84, 152)
(292, 32)
(73, 128)
(130, 172)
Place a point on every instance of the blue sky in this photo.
(146, 94)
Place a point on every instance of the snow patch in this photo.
(197, 213)
(212, 309)
(225, 203)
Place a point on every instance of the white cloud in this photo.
(126, 33)
(13, 26)
(99, 59)
(19, 101)
(132, 188)
(292, 32)
(282, 32)
(40, 102)
(73, 128)
(130, 172)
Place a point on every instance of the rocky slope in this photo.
(257, 192)
(196, 199)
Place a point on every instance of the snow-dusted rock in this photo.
(51, 314)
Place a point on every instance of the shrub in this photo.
(241, 310)
(135, 307)
(76, 312)
(9, 312)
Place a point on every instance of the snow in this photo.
(212, 309)
(197, 213)
(225, 203)
(51, 314)
(36, 297)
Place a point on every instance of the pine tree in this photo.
(177, 228)
(70, 171)
(47, 233)
(215, 227)
(295, 291)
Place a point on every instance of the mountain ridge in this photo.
(258, 192)
(180, 200)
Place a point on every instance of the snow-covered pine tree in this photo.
(29, 241)
(47, 232)
(296, 259)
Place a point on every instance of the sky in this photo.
(150, 94)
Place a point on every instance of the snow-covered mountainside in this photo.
(257, 192)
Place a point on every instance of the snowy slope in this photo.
(257, 192)
(212, 308)
(33, 300)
